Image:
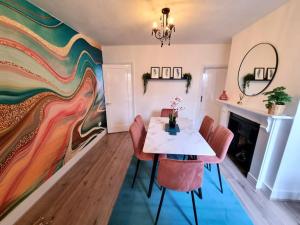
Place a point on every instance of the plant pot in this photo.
(276, 109)
(172, 122)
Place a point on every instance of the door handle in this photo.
(107, 103)
(201, 98)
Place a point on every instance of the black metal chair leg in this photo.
(194, 208)
(220, 178)
(199, 193)
(136, 171)
(160, 204)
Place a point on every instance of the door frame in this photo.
(133, 108)
(200, 94)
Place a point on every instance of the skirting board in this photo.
(25, 205)
(285, 195)
(252, 180)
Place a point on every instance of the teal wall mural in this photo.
(51, 98)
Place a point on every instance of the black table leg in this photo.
(155, 160)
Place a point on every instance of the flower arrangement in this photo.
(176, 107)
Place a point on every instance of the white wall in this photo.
(193, 59)
(282, 29)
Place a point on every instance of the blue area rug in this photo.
(134, 208)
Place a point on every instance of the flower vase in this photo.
(172, 121)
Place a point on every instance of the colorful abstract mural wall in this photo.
(51, 98)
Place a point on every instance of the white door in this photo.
(118, 97)
(211, 86)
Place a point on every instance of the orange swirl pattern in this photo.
(51, 98)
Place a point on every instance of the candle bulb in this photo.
(171, 21)
(154, 26)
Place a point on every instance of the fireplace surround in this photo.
(270, 144)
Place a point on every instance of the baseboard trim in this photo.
(266, 190)
(252, 180)
(285, 195)
(25, 205)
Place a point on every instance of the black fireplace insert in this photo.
(243, 144)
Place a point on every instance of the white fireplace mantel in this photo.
(272, 137)
(259, 116)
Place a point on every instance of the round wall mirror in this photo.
(258, 69)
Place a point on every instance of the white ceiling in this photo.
(117, 22)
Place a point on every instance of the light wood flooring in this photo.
(87, 193)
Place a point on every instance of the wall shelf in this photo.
(164, 79)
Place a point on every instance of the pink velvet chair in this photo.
(138, 142)
(219, 142)
(166, 112)
(206, 127)
(141, 124)
(179, 175)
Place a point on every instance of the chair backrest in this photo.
(180, 175)
(220, 141)
(136, 137)
(139, 120)
(166, 112)
(206, 127)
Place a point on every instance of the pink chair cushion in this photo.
(206, 127)
(180, 175)
(219, 142)
(166, 112)
(141, 124)
(138, 141)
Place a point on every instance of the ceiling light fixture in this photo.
(166, 28)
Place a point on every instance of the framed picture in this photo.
(270, 73)
(259, 73)
(177, 72)
(166, 72)
(155, 72)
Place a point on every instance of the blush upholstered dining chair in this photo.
(139, 120)
(219, 142)
(138, 142)
(166, 112)
(179, 175)
(206, 127)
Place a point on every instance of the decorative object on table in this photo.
(172, 130)
(277, 99)
(177, 72)
(146, 77)
(166, 72)
(270, 73)
(261, 55)
(188, 78)
(246, 81)
(155, 72)
(259, 73)
(176, 107)
(166, 27)
(241, 96)
(223, 96)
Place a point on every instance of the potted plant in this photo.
(188, 78)
(276, 101)
(246, 80)
(146, 77)
(175, 106)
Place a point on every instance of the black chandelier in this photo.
(166, 28)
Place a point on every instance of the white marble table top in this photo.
(187, 142)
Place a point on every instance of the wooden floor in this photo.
(86, 194)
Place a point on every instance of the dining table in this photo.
(188, 141)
